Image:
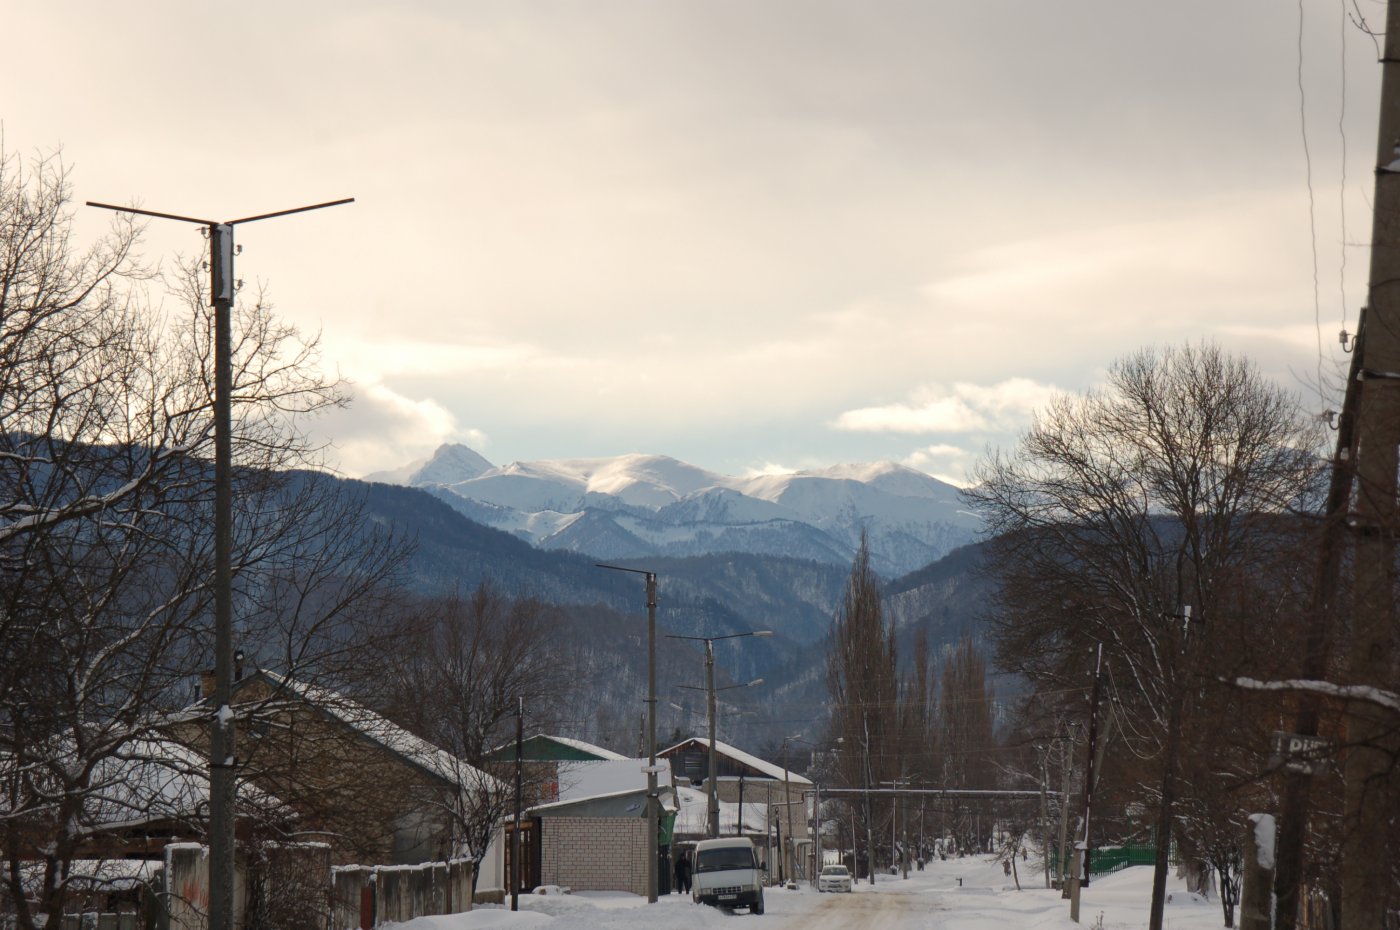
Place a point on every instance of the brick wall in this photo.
(594, 853)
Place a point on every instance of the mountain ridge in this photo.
(642, 504)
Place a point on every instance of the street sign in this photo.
(1298, 752)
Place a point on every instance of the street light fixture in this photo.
(223, 761)
(787, 801)
(653, 803)
(709, 641)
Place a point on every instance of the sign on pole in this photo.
(1298, 752)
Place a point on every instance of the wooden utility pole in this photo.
(1371, 654)
(1317, 649)
(1370, 782)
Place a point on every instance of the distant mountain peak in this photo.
(640, 504)
(450, 464)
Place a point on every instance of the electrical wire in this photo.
(1312, 201)
(1342, 132)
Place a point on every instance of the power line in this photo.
(1312, 204)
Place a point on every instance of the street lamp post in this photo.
(787, 797)
(223, 761)
(712, 827)
(869, 829)
(903, 857)
(653, 803)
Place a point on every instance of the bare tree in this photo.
(1145, 516)
(464, 667)
(106, 440)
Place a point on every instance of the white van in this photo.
(727, 874)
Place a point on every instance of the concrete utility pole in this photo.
(1062, 857)
(1044, 816)
(787, 802)
(869, 828)
(653, 805)
(515, 835)
(712, 821)
(1371, 732)
(1179, 668)
(1089, 755)
(222, 759)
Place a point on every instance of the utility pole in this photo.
(653, 805)
(653, 802)
(712, 825)
(869, 825)
(1062, 857)
(1044, 815)
(894, 825)
(515, 836)
(778, 825)
(223, 761)
(1371, 732)
(787, 803)
(1089, 755)
(1179, 669)
(1293, 811)
(712, 820)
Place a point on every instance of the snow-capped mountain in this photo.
(637, 505)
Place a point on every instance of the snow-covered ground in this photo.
(985, 900)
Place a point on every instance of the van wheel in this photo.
(757, 908)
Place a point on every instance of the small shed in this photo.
(599, 842)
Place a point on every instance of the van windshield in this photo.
(725, 857)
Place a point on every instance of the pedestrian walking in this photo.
(682, 874)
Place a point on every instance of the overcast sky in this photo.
(749, 234)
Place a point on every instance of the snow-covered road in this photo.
(889, 906)
(962, 894)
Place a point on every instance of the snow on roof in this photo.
(567, 802)
(145, 780)
(93, 874)
(580, 745)
(579, 780)
(156, 779)
(385, 732)
(693, 818)
(738, 755)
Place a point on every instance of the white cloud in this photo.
(961, 408)
(383, 429)
(942, 415)
(768, 468)
(944, 462)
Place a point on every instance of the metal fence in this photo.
(1106, 859)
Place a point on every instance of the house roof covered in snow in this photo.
(375, 727)
(543, 747)
(745, 760)
(693, 817)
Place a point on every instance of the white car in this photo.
(834, 878)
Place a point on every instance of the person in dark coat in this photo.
(682, 871)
